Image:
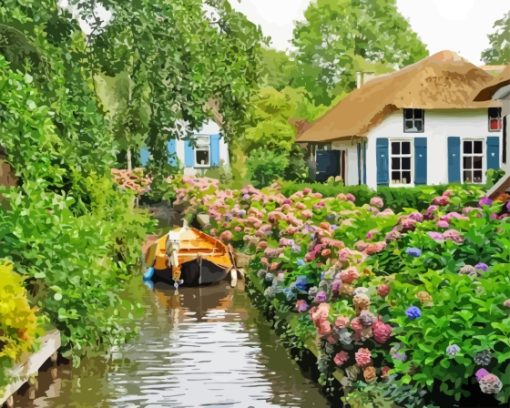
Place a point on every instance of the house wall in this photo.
(439, 125)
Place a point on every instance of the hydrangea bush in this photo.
(421, 298)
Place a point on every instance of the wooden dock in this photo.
(30, 365)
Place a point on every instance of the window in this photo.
(495, 121)
(401, 158)
(472, 161)
(414, 120)
(202, 151)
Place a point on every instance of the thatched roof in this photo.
(501, 81)
(441, 81)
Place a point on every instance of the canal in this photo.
(203, 347)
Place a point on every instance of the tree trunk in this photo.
(128, 157)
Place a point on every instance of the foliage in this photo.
(493, 176)
(265, 166)
(297, 169)
(19, 325)
(271, 112)
(180, 56)
(277, 70)
(499, 49)
(372, 36)
(73, 236)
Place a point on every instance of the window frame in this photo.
(203, 147)
(400, 155)
(473, 155)
(489, 118)
(404, 119)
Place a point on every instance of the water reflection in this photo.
(201, 347)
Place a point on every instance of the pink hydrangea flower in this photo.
(443, 224)
(349, 275)
(226, 236)
(454, 236)
(375, 248)
(350, 197)
(377, 202)
(363, 357)
(342, 322)
(383, 290)
(441, 200)
(341, 358)
(382, 332)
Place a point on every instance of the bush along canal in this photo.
(407, 309)
(204, 346)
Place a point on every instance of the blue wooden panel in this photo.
(365, 163)
(328, 164)
(420, 161)
(454, 159)
(382, 161)
(172, 151)
(493, 152)
(144, 156)
(215, 150)
(189, 155)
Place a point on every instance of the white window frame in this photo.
(472, 155)
(500, 117)
(202, 147)
(391, 156)
(414, 119)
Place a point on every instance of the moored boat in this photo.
(187, 256)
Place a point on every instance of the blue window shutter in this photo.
(420, 161)
(189, 153)
(171, 147)
(144, 156)
(454, 159)
(382, 160)
(358, 146)
(215, 150)
(365, 163)
(492, 152)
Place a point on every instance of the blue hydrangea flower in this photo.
(300, 262)
(413, 312)
(452, 350)
(414, 252)
(269, 277)
(301, 283)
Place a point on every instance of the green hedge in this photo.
(396, 198)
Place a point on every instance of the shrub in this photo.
(19, 326)
(297, 169)
(265, 166)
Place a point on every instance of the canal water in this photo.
(202, 347)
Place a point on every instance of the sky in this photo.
(457, 25)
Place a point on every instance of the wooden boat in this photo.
(187, 256)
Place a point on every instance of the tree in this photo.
(340, 37)
(187, 53)
(277, 69)
(499, 50)
(271, 111)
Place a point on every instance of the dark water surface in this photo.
(205, 347)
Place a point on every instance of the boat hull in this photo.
(194, 274)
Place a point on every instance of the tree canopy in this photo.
(499, 49)
(179, 55)
(340, 37)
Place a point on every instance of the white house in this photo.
(416, 126)
(206, 150)
(500, 90)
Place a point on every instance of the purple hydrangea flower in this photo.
(414, 252)
(508, 206)
(452, 350)
(321, 297)
(482, 372)
(413, 312)
(482, 267)
(485, 201)
(301, 306)
(436, 236)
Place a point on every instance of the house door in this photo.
(328, 164)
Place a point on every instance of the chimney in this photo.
(363, 77)
(359, 79)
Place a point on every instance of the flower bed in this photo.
(417, 299)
